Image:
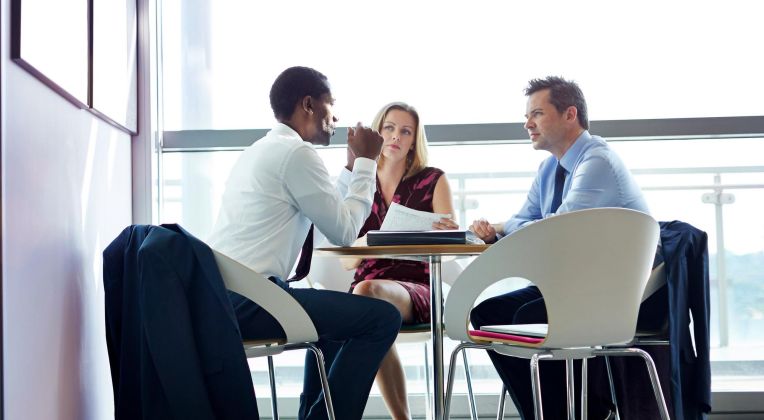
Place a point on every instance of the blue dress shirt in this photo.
(596, 178)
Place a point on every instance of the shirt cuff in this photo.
(345, 176)
(364, 166)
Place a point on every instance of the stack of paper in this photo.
(402, 218)
(405, 226)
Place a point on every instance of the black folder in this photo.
(426, 237)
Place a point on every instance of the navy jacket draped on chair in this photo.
(684, 367)
(174, 344)
(685, 251)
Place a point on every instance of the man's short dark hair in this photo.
(292, 85)
(562, 94)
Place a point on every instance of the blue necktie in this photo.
(559, 184)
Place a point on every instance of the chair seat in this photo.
(651, 334)
(413, 333)
(265, 347)
(415, 328)
(264, 342)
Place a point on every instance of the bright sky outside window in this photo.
(462, 64)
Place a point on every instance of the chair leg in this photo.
(656, 384)
(452, 372)
(651, 370)
(584, 389)
(536, 383)
(450, 382)
(274, 398)
(502, 397)
(612, 387)
(470, 394)
(428, 391)
(324, 379)
(570, 388)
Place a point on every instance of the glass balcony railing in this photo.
(722, 196)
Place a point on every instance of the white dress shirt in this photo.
(277, 188)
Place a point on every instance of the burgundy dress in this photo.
(416, 193)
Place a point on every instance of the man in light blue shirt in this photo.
(594, 174)
(595, 177)
(583, 172)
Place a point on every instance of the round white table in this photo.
(432, 254)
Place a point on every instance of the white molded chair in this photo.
(656, 338)
(298, 327)
(328, 273)
(591, 266)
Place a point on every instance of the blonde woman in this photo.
(402, 177)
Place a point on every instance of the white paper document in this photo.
(400, 217)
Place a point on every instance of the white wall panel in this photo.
(66, 194)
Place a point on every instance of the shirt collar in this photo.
(282, 129)
(571, 156)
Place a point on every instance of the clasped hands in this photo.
(363, 142)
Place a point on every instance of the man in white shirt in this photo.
(277, 189)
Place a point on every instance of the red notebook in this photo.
(500, 336)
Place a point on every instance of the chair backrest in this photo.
(656, 280)
(239, 278)
(328, 272)
(591, 266)
(451, 269)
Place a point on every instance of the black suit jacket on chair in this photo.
(174, 345)
(685, 250)
(684, 366)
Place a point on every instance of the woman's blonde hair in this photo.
(416, 160)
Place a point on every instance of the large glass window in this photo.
(468, 65)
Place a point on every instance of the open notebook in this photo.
(528, 330)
